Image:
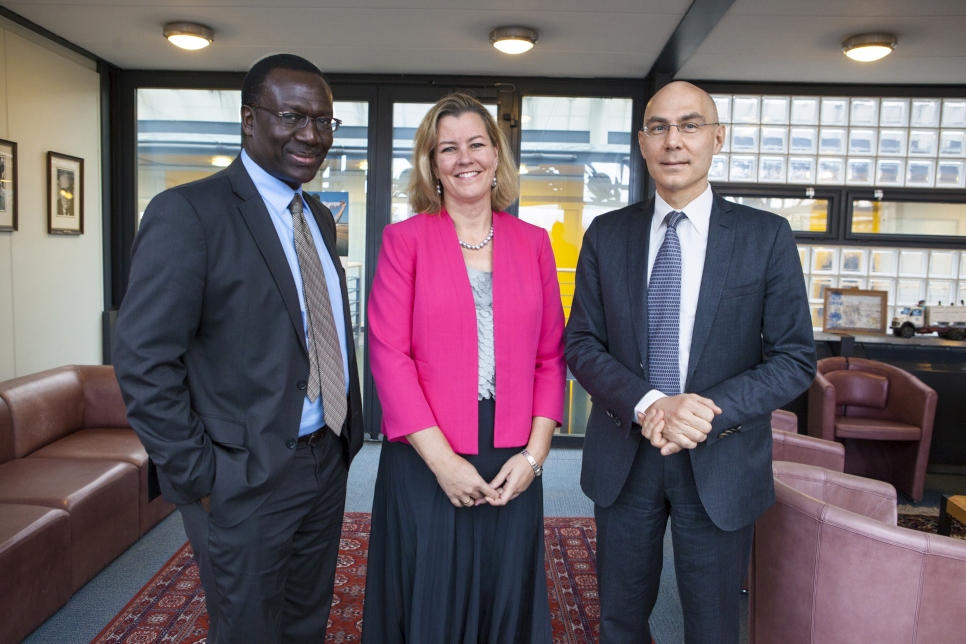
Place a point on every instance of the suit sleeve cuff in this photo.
(649, 399)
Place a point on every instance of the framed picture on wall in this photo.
(854, 311)
(8, 185)
(65, 194)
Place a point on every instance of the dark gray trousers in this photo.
(710, 563)
(269, 579)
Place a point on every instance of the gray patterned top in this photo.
(482, 283)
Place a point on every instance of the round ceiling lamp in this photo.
(188, 35)
(868, 47)
(513, 40)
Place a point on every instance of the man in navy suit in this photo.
(689, 326)
(218, 343)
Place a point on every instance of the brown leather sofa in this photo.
(73, 489)
(830, 566)
(882, 414)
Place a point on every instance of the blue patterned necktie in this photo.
(664, 311)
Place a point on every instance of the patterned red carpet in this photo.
(171, 607)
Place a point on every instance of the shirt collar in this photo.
(273, 190)
(698, 211)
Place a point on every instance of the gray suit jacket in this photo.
(752, 351)
(210, 349)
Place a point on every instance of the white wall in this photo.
(51, 286)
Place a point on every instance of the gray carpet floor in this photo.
(94, 605)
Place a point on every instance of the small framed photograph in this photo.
(923, 143)
(774, 110)
(925, 113)
(744, 138)
(892, 143)
(824, 260)
(854, 311)
(865, 112)
(949, 174)
(859, 172)
(940, 292)
(861, 141)
(801, 170)
(804, 140)
(774, 140)
(804, 110)
(832, 140)
(912, 263)
(771, 169)
(942, 264)
(745, 109)
(954, 112)
(894, 112)
(910, 292)
(831, 171)
(8, 185)
(952, 143)
(835, 111)
(853, 261)
(819, 285)
(743, 168)
(65, 194)
(723, 103)
(888, 286)
(920, 174)
(889, 172)
(719, 168)
(852, 282)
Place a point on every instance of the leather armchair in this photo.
(881, 414)
(829, 565)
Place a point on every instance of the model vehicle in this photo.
(948, 321)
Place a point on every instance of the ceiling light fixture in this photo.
(513, 40)
(188, 35)
(868, 47)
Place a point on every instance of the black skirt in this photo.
(439, 574)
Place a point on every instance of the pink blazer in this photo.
(423, 339)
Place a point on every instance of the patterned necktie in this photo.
(326, 373)
(664, 311)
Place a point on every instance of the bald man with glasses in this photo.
(689, 326)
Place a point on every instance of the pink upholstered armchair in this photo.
(882, 414)
(830, 566)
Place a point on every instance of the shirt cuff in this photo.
(649, 399)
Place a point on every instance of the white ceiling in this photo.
(757, 40)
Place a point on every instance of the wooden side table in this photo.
(951, 507)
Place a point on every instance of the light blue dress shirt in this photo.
(277, 196)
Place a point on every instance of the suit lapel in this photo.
(260, 226)
(638, 246)
(717, 264)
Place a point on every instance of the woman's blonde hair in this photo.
(423, 196)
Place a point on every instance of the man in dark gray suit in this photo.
(689, 326)
(234, 353)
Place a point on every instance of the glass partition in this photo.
(908, 218)
(804, 215)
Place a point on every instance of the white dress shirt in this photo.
(693, 233)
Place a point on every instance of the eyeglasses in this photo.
(662, 129)
(296, 121)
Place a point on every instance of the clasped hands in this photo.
(461, 482)
(678, 422)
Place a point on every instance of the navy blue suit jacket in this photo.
(752, 351)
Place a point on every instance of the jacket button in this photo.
(302, 384)
(291, 443)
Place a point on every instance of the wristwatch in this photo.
(537, 469)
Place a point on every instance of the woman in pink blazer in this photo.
(466, 348)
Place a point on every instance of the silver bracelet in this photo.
(537, 469)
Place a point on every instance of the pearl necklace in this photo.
(477, 246)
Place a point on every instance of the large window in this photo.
(908, 218)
